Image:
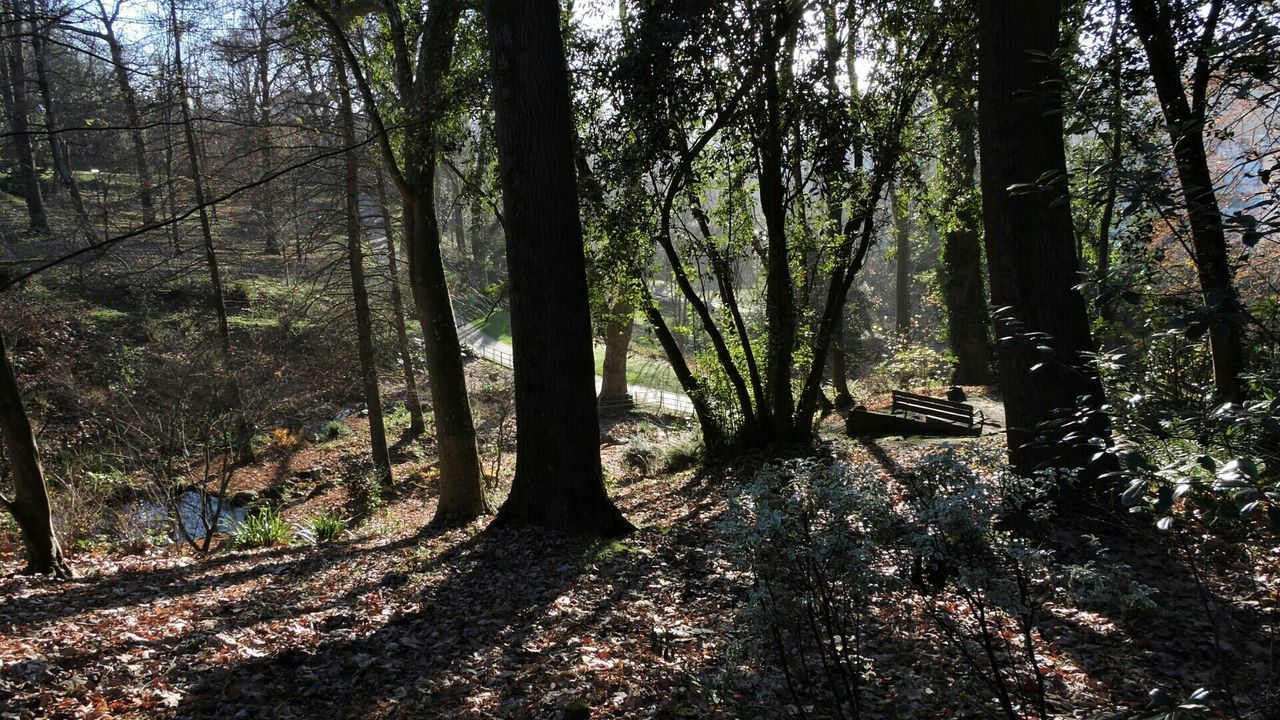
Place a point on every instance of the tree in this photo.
(902, 264)
(702, 55)
(411, 400)
(1155, 21)
(30, 502)
(244, 446)
(1041, 319)
(618, 325)
(558, 481)
(129, 96)
(57, 149)
(963, 291)
(19, 109)
(359, 291)
(418, 82)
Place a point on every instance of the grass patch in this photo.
(252, 322)
(106, 315)
(644, 370)
(496, 326)
(266, 530)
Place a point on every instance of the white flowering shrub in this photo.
(811, 534)
(823, 542)
(985, 586)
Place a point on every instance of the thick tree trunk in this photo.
(558, 481)
(30, 503)
(15, 96)
(132, 114)
(963, 292)
(1185, 122)
(617, 340)
(1029, 237)
(411, 400)
(359, 292)
(461, 495)
(244, 432)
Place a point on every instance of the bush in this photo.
(809, 533)
(326, 527)
(908, 365)
(684, 453)
(1181, 451)
(640, 454)
(334, 429)
(997, 583)
(821, 542)
(364, 484)
(266, 529)
(284, 438)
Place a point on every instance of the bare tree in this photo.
(30, 502)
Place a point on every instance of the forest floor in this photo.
(401, 619)
(407, 620)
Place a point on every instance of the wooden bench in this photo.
(936, 409)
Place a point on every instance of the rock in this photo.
(244, 498)
(315, 472)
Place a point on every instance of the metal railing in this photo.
(650, 397)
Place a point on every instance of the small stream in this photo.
(195, 513)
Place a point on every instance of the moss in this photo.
(106, 315)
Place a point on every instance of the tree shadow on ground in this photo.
(493, 591)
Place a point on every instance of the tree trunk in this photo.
(617, 340)
(411, 400)
(261, 199)
(136, 137)
(15, 97)
(170, 181)
(963, 293)
(835, 201)
(902, 265)
(1029, 236)
(713, 431)
(1105, 299)
(360, 294)
(30, 503)
(57, 150)
(1185, 122)
(457, 223)
(461, 496)
(839, 371)
(780, 311)
(479, 253)
(244, 445)
(558, 481)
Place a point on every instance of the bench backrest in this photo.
(933, 407)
